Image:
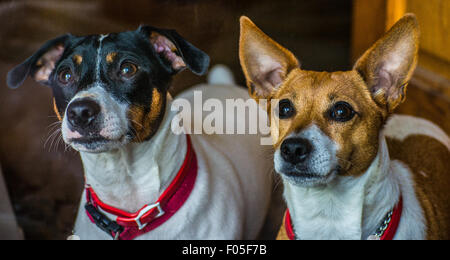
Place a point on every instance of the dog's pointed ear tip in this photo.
(246, 23)
(245, 20)
(248, 30)
(411, 18)
(410, 21)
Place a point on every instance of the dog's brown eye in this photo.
(342, 112)
(66, 76)
(285, 109)
(128, 70)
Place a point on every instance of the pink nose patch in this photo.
(73, 134)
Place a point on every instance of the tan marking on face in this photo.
(78, 59)
(313, 94)
(110, 57)
(145, 124)
(55, 108)
(156, 105)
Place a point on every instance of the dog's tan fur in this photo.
(429, 160)
(144, 122)
(272, 72)
(55, 108)
(282, 234)
(110, 57)
(78, 59)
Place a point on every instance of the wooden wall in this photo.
(372, 18)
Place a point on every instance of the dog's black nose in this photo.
(295, 150)
(81, 113)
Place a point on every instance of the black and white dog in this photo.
(142, 180)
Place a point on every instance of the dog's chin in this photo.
(308, 179)
(97, 144)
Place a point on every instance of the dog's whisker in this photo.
(53, 145)
(52, 127)
(66, 148)
(137, 123)
(278, 180)
(58, 141)
(51, 137)
(50, 134)
(55, 123)
(135, 136)
(348, 163)
(134, 132)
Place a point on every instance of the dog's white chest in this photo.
(231, 192)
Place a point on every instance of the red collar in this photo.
(130, 225)
(386, 233)
(288, 225)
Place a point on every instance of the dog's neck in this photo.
(347, 208)
(136, 174)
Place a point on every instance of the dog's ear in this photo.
(176, 52)
(389, 64)
(40, 65)
(265, 63)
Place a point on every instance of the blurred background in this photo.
(44, 180)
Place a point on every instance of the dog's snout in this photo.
(81, 113)
(295, 150)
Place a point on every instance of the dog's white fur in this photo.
(322, 159)
(353, 207)
(232, 193)
(114, 122)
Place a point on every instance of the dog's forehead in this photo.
(125, 41)
(83, 44)
(89, 47)
(300, 82)
(311, 87)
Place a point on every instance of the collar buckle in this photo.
(102, 221)
(145, 211)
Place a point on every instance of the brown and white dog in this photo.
(345, 160)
